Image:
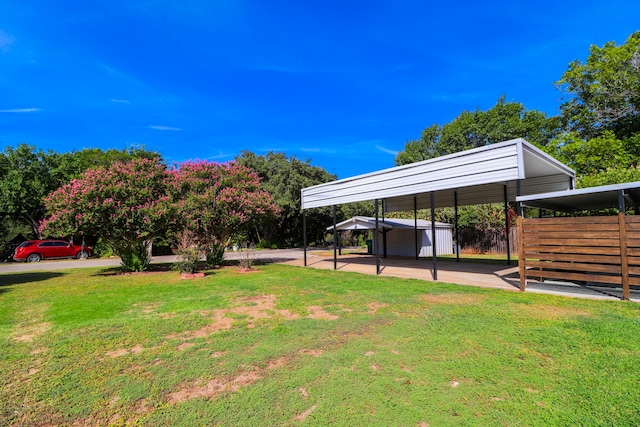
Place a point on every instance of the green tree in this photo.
(601, 119)
(504, 121)
(126, 204)
(604, 91)
(218, 201)
(284, 177)
(26, 176)
(600, 160)
(73, 163)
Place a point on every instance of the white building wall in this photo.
(401, 242)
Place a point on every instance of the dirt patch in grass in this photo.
(250, 308)
(217, 386)
(550, 312)
(318, 312)
(29, 332)
(185, 345)
(374, 307)
(303, 416)
(310, 352)
(213, 387)
(281, 361)
(124, 351)
(453, 298)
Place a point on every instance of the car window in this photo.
(26, 244)
(47, 244)
(65, 244)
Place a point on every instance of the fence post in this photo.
(624, 258)
(521, 261)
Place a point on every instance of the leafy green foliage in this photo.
(189, 252)
(604, 90)
(284, 178)
(506, 120)
(219, 201)
(602, 117)
(28, 174)
(126, 204)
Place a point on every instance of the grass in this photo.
(295, 346)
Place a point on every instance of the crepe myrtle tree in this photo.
(218, 201)
(126, 204)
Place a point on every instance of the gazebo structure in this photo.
(496, 173)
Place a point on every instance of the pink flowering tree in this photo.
(126, 204)
(217, 201)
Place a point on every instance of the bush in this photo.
(189, 253)
(247, 257)
(214, 254)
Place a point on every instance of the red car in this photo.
(35, 250)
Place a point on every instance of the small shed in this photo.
(399, 235)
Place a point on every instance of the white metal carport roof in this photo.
(471, 177)
(607, 196)
(369, 223)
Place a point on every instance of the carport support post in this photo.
(384, 231)
(455, 206)
(521, 255)
(304, 235)
(335, 236)
(376, 238)
(433, 236)
(415, 225)
(624, 258)
(506, 221)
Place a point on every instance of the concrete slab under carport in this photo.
(486, 275)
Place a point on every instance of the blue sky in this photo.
(343, 83)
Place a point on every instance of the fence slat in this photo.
(565, 275)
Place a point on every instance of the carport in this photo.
(496, 173)
(601, 250)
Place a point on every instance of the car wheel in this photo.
(82, 255)
(34, 258)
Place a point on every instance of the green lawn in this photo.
(299, 346)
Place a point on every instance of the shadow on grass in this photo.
(153, 268)
(23, 278)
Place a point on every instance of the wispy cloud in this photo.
(401, 67)
(317, 150)
(21, 110)
(457, 97)
(5, 41)
(386, 150)
(120, 101)
(164, 128)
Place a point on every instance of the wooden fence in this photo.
(491, 241)
(603, 249)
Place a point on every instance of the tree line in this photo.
(28, 176)
(597, 130)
